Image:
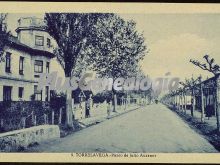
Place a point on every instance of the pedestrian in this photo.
(208, 111)
(108, 109)
(87, 108)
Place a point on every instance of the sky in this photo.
(172, 40)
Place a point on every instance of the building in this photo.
(26, 57)
(209, 92)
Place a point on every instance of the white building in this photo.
(26, 56)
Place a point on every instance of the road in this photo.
(153, 128)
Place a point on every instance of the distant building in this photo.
(26, 56)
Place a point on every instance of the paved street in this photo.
(151, 129)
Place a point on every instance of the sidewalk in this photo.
(86, 122)
(211, 121)
(208, 129)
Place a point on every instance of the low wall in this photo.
(20, 139)
(96, 110)
(79, 112)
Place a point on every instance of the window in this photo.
(37, 94)
(39, 40)
(47, 93)
(20, 92)
(21, 66)
(48, 43)
(48, 67)
(38, 66)
(8, 62)
(7, 93)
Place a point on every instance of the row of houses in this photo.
(26, 56)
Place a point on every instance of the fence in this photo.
(98, 109)
(24, 114)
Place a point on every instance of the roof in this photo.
(33, 23)
(15, 43)
(206, 82)
(211, 79)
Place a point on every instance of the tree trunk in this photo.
(23, 122)
(69, 114)
(125, 103)
(60, 115)
(185, 102)
(129, 99)
(202, 104)
(52, 118)
(114, 102)
(193, 103)
(45, 118)
(181, 102)
(217, 102)
(34, 119)
(91, 104)
(174, 101)
(178, 101)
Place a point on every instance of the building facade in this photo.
(210, 91)
(26, 57)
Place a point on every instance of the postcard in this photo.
(109, 82)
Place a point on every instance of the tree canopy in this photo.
(3, 34)
(72, 33)
(116, 48)
(209, 65)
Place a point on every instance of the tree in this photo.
(149, 94)
(117, 49)
(213, 68)
(191, 84)
(3, 34)
(71, 32)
